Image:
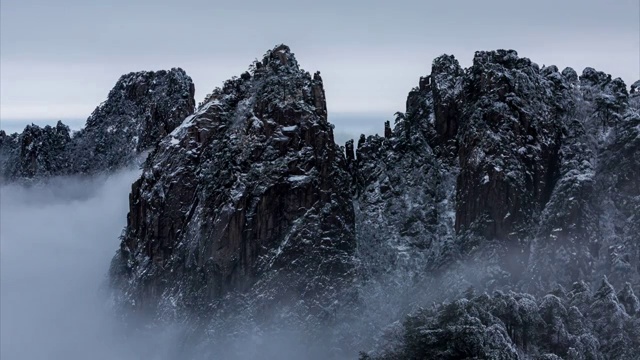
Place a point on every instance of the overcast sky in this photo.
(59, 59)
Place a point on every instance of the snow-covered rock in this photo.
(502, 176)
(141, 109)
(248, 199)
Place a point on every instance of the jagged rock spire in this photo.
(253, 196)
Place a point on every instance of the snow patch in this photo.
(298, 178)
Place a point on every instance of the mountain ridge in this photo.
(503, 178)
(141, 108)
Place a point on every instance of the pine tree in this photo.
(629, 300)
(554, 315)
(580, 296)
(609, 318)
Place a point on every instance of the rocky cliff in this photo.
(141, 109)
(520, 157)
(250, 195)
(504, 177)
(35, 153)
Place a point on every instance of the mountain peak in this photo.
(140, 110)
(258, 161)
(506, 58)
(278, 59)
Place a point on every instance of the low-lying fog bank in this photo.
(57, 242)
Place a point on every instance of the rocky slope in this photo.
(140, 110)
(504, 177)
(538, 158)
(248, 198)
(36, 152)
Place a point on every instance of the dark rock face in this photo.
(539, 172)
(619, 187)
(476, 150)
(8, 146)
(584, 228)
(509, 143)
(140, 110)
(35, 153)
(569, 216)
(404, 200)
(520, 159)
(250, 195)
(447, 86)
(502, 175)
